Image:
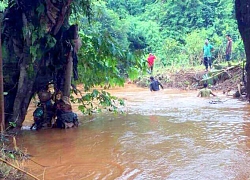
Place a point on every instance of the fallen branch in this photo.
(216, 75)
(25, 172)
(219, 72)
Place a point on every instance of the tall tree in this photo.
(242, 9)
(41, 45)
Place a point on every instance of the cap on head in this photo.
(151, 78)
(205, 85)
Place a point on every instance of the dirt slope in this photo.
(218, 79)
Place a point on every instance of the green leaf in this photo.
(11, 155)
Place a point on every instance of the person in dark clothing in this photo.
(154, 85)
(229, 49)
(63, 110)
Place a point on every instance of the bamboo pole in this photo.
(27, 173)
(2, 122)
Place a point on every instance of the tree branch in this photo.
(61, 17)
(27, 173)
(52, 11)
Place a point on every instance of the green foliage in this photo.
(194, 46)
(3, 4)
(96, 101)
(171, 48)
(105, 58)
(96, 65)
(171, 29)
(12, 124)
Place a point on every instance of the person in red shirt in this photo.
(150, 60)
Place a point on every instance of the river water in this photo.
(166, 135)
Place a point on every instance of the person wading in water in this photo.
(205, 92)
(154, 85)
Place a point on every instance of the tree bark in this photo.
(2, 119)
(68, 75)
(242, 9)
(25, 82)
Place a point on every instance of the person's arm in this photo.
(228, 47)
(198, 95)
(151, 87)
(202, 56)
(161, 85)
(211, 92)
(212, 48)
(239, 88)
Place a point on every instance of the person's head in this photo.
(228, 36)
(151, 78)
(205, 85)
(206, 41)
(59, 95)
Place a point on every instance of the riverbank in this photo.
(220, 78)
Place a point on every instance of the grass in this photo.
(158, 69)
(11, 159)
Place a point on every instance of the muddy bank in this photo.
(219, 78)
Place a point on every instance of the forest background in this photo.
(174, 31)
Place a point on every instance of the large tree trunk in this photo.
(2, 123)
(68, 75)
(26, 81)
(242, 8)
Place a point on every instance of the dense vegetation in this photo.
(174, 30)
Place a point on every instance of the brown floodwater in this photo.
(170, 135)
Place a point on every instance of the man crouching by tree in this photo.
(154, 85)
(65, 117)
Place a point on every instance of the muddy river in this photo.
(166, 135)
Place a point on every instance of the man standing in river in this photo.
(205, 92)
(154, 85)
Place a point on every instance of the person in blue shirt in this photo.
(207, 55)
(154, 84)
